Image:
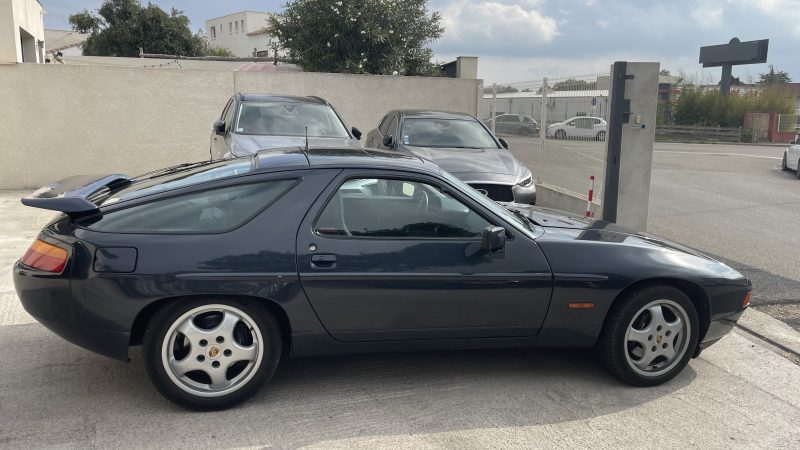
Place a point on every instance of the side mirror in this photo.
(219, 127)
(493, 238)
(503, 143)
(356, 132)
(388, 140)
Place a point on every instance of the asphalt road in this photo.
(730, 201)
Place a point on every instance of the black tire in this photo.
(601, 136)
(616, 352)
(257, 321)
(784, 166)
(561, 134)
(798, 169)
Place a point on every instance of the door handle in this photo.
(323, 262)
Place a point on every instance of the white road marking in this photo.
(718, 154)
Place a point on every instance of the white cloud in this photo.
(708, 14)
(496, 23)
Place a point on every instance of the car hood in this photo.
(248, 144)
(473, 164)
(564, 225)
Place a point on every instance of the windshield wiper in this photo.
(525, 220)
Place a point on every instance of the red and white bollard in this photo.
(589, 212)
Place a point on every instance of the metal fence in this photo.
(788, 123)
(555, 126)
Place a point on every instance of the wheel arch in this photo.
(692, 290)
(143, 317)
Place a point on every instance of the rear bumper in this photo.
(49, 300)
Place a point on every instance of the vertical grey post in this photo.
(616, 119)
(634, 92)
(543, 128)
(725, 81)
(494, 107)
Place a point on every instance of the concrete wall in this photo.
(63, 120)
(554, 197)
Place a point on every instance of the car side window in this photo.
(394, 208)
(385, 125)
(392, 127)
(229, 115)
(210, 211)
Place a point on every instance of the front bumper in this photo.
(717, 329)
(50, 301)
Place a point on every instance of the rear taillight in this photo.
(45, 256)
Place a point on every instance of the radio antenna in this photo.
(305, 149)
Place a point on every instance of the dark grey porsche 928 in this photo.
(217, 268)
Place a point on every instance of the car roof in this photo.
(432, 114)
(245, 97)
(326, 157)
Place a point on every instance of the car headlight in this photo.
(527, 180)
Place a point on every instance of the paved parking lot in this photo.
(731, 201)
(739, 393)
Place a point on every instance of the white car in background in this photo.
(791, 158)
(580, 128)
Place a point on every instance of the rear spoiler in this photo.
(71, 195)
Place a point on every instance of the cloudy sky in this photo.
(521, 40)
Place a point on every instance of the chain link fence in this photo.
(555, 126)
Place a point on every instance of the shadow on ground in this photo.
(90, 400)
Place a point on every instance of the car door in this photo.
(220, 143)
(388, 257)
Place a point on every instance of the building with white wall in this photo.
(244, 33)
(21, 31)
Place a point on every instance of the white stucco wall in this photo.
(226, 34)
(16, 14)
(63, 120)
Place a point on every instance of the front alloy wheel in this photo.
(211, 354)
(649, 335)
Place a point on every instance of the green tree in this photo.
(712, 109)
(500, 89)
(120, 27)
(774, 77)
(359, 36)
(219, 51)
(572, 84)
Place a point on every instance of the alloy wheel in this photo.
(657, 338)
(212, 350)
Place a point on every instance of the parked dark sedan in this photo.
(218, 268)
(461, 145)
(253, 122)
(514, 124)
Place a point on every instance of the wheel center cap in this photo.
(213, 351)
(658, 339)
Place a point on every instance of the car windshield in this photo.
(289, 119)
(523, 224)
(450, 133)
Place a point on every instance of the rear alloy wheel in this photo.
(784, 166)
(561, 134)
(601, 136)
(649, 336)
(211, 354)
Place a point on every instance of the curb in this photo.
(772, 330)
